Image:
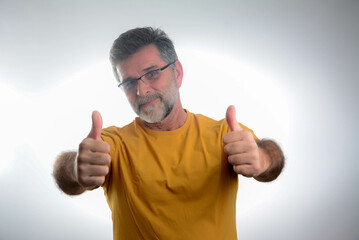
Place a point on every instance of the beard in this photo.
(158, 111)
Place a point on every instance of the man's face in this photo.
(151, 102)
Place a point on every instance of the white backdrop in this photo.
(289, 67)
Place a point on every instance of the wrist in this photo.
(64, 174)
(273, 160)
(265, 159)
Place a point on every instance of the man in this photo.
(170, 174)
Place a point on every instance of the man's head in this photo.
(133, 40)
(135, 56)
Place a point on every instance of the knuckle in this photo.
(81, 169)
(102, 146)
(106, 170)
(102, 180)
(80, 158)
(103, 159)
(254, 145)
(107, 147)
(237, 170)
(246, 175)
(82, 180)
(97, 170)
(256, 167)
(247, 135)
(98, 181)
(253, 155)
(231, 159)
(100, 171)
(83, 145)
(90, 182)
(226, 149)
(225, 139)
(108, 158)
(234, 160)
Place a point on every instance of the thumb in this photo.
(96, 129)
(231, 119)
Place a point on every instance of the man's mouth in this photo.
(149, 102)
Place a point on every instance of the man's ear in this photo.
(178, 73)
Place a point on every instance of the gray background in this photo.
(290, 68)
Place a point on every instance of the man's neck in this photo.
(174, 120)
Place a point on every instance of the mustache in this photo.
(142, 100)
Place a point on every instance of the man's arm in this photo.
(64, 174)
(271, 153)
(261, 159)
(75, 173)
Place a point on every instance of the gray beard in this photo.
(149, 116)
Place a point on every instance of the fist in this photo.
(241, 148)
(93, 157)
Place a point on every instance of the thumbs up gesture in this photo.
(242, 149)
(93, 156)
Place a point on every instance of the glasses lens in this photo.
(152, 76)
(147, 78)
(129, 85)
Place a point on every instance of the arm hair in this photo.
(64, 173)
(277, 160)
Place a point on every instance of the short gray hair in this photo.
(133, 40)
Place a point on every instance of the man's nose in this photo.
(143, 88)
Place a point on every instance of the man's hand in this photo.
(93, 157)
(242, 150)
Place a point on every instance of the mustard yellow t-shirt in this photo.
(171, 184)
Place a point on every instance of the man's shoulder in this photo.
(205, 119)
(114, 130)
(221, 125)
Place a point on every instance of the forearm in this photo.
(275, 157)
(64, 174)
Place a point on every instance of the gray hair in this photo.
(133, 40)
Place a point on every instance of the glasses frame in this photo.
(140, 78)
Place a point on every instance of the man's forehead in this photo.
(138, 67)
(136, 70)
(144, 60)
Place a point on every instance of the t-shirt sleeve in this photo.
(108, 136)
(227, 130)
(248, 129)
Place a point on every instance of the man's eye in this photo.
(153, 75)
(130, 84)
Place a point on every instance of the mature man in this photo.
(170, 174)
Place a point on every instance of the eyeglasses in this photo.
(147, 78)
